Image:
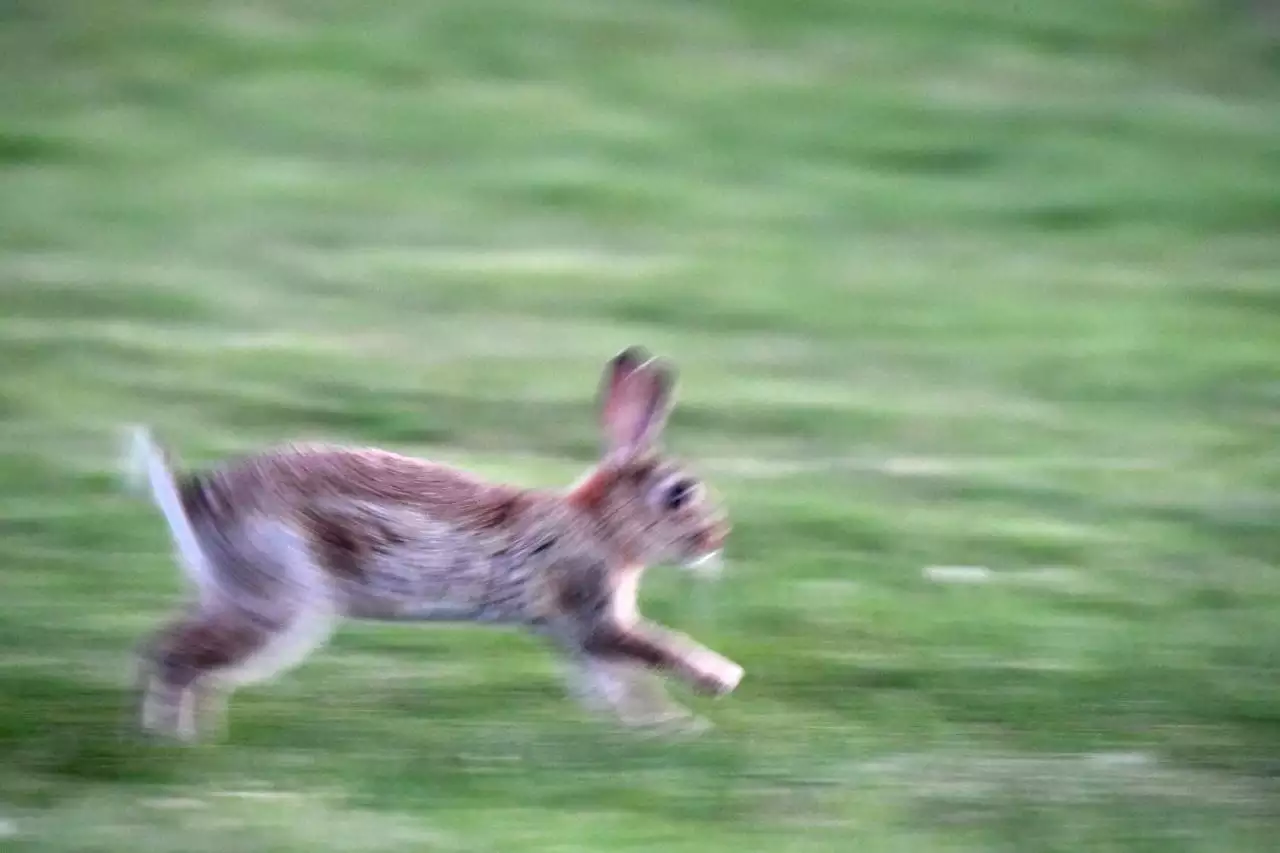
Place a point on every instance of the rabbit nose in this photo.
(715, 536)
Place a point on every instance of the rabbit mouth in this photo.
(704, 550)
(704, 554)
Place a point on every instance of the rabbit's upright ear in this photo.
(636, 396)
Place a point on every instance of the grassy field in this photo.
(979, 284)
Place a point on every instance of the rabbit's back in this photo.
(290, 476)
(400, 538)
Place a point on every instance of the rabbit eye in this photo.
(679, 494)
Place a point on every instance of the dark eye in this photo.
(679, 494)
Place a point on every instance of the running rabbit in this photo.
(282, 545)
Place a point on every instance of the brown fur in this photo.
(293, 539)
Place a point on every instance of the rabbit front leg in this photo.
(635, 694)
(597, 623)
(666, 651)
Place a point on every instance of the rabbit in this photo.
(283, 545)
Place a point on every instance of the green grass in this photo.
(972, 283)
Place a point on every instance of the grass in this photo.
(977, 284)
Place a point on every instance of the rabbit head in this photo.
(651, 506)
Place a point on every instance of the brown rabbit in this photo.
(282, 545)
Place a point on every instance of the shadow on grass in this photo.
(64, 732)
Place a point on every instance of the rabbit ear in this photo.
(636, 399)
(616, 372)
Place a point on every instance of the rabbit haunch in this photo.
(283, 544)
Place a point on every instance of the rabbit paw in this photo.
(713, 674)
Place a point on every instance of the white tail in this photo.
(146, 466)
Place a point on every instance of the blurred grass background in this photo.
(970, 283)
